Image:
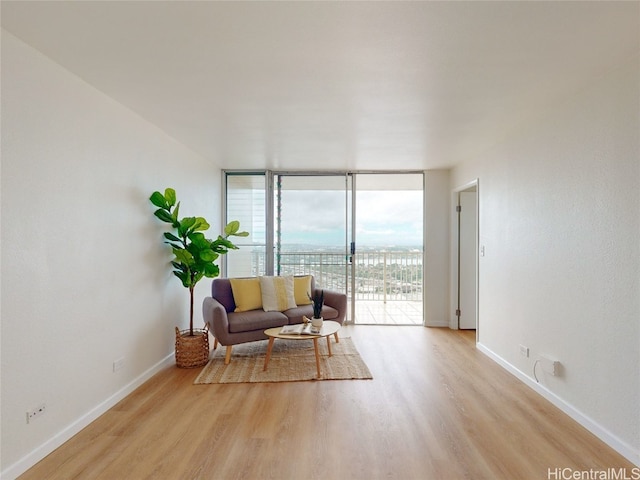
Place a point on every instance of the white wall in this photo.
(85, 276)
(560, 220)
(436, 248)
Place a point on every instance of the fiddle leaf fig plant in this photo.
(194, 254)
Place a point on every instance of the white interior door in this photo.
(467, 245)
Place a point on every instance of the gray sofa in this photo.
(232, 328)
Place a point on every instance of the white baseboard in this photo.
(598, 430)
(436, 324)
(33, 457)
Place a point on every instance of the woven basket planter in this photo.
(192, 351)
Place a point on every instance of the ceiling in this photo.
(333, 85)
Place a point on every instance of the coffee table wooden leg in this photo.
(337, 339)
(315, 347)
(329, 345)
(268, 357)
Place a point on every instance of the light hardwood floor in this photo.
(436, 409)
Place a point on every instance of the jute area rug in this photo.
(291, 361)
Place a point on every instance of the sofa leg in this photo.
(227, 357)
(215, 343)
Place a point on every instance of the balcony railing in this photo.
(379, 275)
(388, 276)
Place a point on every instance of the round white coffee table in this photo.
(329, 328)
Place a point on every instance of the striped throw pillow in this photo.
(277, 293)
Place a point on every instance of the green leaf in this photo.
(163, 215)
(186, 279)
(200, 225)
(183, 256)
(211, 270)
(171, 236)
(188, 222)
(199, 240)
(180, 266)
(222, 245)
(174, 215)
(208, 255)
(158, 200)
(170, 196)
(197, 277)
(231, 228)
(184, 228)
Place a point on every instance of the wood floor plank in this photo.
(436, 408)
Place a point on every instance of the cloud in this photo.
(383, 217)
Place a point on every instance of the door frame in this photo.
(453, 319)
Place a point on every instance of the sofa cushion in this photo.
(302, 290)
(255, 320)
(295, 314)
(246, 294)
(277, 293)
(221, 291)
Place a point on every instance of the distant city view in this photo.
(389, 273)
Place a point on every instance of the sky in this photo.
(384, 218)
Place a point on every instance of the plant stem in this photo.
(191, 311)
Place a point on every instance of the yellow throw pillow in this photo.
(302, 290)
(246, 294)
(277, 293)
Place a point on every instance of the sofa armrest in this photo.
(215, 316)
(338, 301)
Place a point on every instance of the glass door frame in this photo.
(350, 245)
(349, 242)
(363, 185)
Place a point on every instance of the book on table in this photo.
(299, 329)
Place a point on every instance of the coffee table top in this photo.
(329, 327)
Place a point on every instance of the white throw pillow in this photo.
(277, 293)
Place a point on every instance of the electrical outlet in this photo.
(36, 412)
(118, 364)
(524, 351)
(549, 365)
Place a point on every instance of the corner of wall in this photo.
(436, 248)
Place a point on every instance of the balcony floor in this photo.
(397, 312)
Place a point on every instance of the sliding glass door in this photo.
(358, 233)
(313, 228)
(388, 267)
